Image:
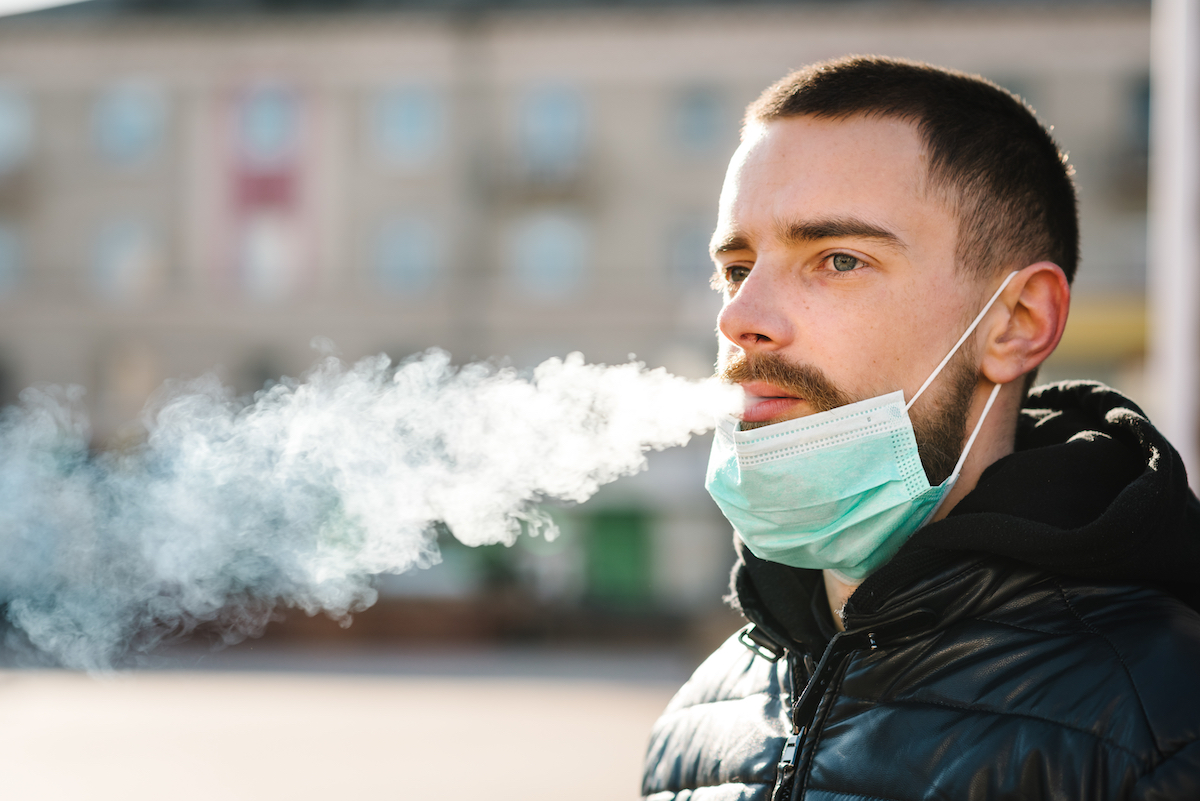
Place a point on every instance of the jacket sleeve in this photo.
(1176, 777)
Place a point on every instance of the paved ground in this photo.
(299, 724)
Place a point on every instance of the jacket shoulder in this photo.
(721, 735)
(1154, 641)
(1061, 684)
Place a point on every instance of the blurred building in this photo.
(191, 184)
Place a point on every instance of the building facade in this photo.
(183, 189)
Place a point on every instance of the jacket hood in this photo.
(1092, 491)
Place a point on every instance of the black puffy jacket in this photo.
(1040, 642)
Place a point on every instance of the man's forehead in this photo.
(898, 135)
(802, 179)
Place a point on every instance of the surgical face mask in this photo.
(841, 490)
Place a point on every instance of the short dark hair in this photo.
(1008, 180)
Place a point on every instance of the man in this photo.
(996, 601)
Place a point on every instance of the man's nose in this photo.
(756, 318)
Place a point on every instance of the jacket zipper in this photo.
(804, 709)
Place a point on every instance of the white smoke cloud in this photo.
(232, 509)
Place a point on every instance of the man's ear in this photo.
(1036, 304)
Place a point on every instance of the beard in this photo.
(939, 424)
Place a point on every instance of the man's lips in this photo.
(765, 402)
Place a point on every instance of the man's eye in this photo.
(736, 275)
(844, 262)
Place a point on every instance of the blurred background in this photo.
(197, 185)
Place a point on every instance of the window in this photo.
(125, 261)
(406, 255)
(269, 256)
(268, 126)
(11, 257)
(16, 128)
(691, 266)
(547, 254)
(552, 132)
(406, 124)
(1139, 114)
(128, 122)
(1129, 164)
(698, 119)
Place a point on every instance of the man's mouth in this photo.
(766, 403)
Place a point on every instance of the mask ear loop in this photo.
(952, 479)
(958, 344)
(987, 407)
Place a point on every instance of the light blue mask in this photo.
(841, 490)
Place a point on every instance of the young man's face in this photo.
(838, 270)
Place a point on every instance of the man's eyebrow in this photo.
(732, 242)
(806, 231)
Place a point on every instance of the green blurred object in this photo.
(618, 556)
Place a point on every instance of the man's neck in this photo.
(837, 592)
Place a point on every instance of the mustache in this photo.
(802, 380)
